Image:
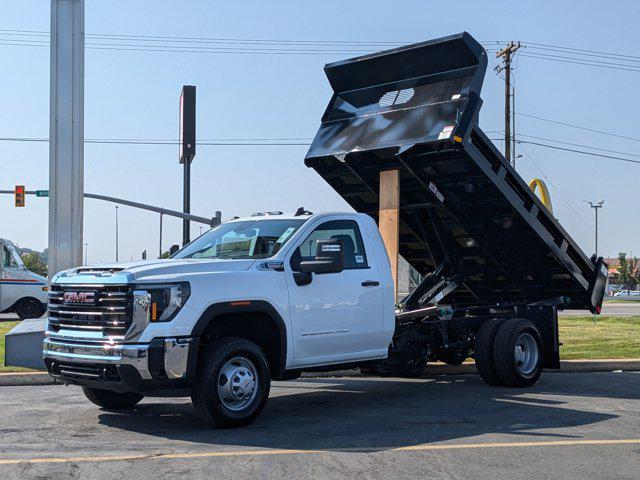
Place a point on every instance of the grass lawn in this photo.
(608, 337)
(4, 328)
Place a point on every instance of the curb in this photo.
(22, 379)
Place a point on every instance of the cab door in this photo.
(337, 317)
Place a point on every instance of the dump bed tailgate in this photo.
(415, 109)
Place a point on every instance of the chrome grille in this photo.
(110, 312)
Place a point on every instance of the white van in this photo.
(21, 291)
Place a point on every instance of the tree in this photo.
(628, 271)
(34, 262)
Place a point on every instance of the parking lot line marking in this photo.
(250, 453)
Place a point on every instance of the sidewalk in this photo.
(605, 365)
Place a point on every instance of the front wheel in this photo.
(518, 353)
(112, 400)
(232, 383)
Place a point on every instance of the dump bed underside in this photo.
(465, 205)
(463, 209)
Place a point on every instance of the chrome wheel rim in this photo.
(237, 383)
(526, 354)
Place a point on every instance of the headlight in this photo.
(167, 300)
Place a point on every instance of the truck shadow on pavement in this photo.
(367, 414)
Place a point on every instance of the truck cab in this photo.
(21, 291)
(253, 299)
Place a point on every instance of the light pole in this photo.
(596, 206)
(86, 254)
(116, 233)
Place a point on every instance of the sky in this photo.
(134, 95)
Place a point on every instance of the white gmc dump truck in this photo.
(269, 296)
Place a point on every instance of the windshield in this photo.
(10, 259)
(247, 239)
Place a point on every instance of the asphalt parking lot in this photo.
(580, 425)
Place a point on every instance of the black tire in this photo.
(112, 400)
(484, 352)
(512, 371)
(29, 308)
(214, 408)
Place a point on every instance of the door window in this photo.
(345, 230)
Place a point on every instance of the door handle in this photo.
(370, 283)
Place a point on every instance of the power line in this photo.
(586, 60)
(258, 46)
(179, 39)
(203, 50)
(579, 151)
(208, 142)
(580, 145)
(305, 141)
(122, 42)
(591, 64)
(564, 199)
(571, 49)
(602, 132)
(587, 56)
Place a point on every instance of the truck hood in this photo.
(155, 270)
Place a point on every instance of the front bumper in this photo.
(162, 363)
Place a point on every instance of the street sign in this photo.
(187, 124)
(42, 193)
(19, 196)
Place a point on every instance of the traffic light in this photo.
(19, 193)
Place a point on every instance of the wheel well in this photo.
(257, 327)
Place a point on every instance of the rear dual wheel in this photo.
(509, 352)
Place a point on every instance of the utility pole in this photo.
(187, 150)
(86, 253)
(596, 206)
(507, 55)
(160, 244)
(66, 134)
(116, 233)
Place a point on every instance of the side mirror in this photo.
(173, 249)
(329, 258)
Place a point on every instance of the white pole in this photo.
(66, 135)
(117, 233)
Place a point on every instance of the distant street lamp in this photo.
(596, 206)
(86, 255)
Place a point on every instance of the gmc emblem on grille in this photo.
(78, 297)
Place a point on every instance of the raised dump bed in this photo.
(465, 213)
